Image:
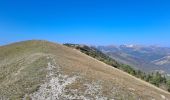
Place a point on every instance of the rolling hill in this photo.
(41, 70)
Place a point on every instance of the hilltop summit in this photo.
(41, 70)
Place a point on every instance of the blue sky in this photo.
(96, 22)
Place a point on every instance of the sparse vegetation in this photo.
(22, 69)
(154, 78)
(36, 68)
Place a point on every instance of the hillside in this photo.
(145, 58)
(156, 78)
(41, 70)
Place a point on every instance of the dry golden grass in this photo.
(23, 70)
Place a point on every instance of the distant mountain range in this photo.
(146, 58)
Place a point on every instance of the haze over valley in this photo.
(146, 58)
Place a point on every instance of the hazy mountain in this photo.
(146, 58)
(41, 70)
(162, 61)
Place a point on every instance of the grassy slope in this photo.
(20, 68)
(23, 69)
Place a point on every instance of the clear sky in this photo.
(96, 22)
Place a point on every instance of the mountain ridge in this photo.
(136, 56)
(39, 64)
